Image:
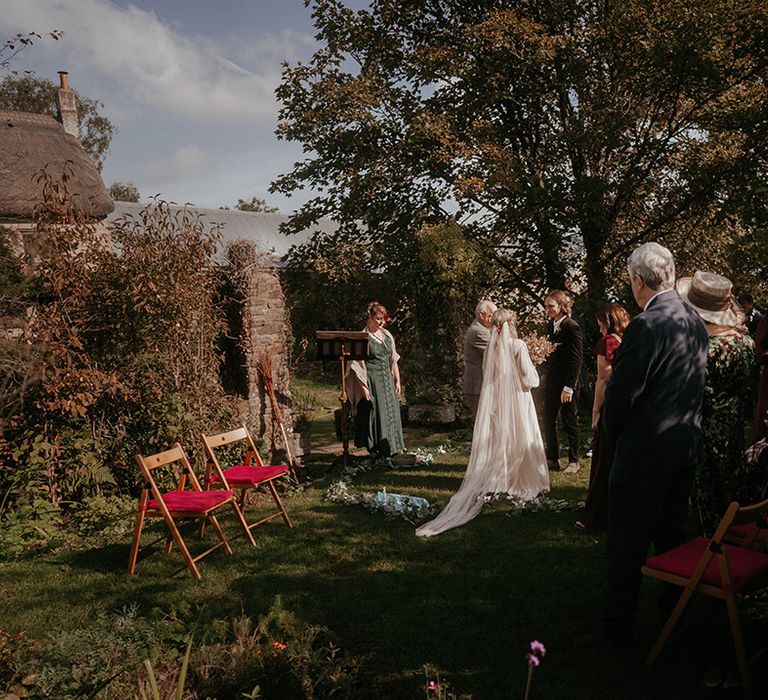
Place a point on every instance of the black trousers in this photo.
(569, 413)
(643, 509)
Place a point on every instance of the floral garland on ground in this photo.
(413, 509)
(416, 510)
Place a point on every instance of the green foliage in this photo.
(105, 518)
(281, 655)
(124, 192)
(28, 93)
(255, 204)
(31, 526)
(559, 134)
(99, 661)
(278, 655)
(119, 358)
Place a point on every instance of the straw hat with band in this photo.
(710, 295)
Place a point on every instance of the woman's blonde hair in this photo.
(506, 316)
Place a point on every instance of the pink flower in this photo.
(538, 648)
(432, 685)
(533, 660)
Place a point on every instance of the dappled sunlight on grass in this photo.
(468, 601)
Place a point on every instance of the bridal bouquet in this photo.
(539, 347)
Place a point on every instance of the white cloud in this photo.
(185, 163)
(152, 65)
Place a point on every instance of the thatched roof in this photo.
(261, 228)
(31, 142)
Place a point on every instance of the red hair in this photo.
(376, 307)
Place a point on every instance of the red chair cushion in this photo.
(191, 501)
(744, 564)
(245, 474)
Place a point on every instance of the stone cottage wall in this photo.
(264, 335)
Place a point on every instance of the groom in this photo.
(562, 380)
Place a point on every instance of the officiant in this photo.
(374, 389)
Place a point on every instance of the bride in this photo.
(507, 454)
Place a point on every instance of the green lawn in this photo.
(468, 601)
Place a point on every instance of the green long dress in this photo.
(377, 425)
(723, 474)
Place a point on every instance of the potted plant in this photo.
(432, 403)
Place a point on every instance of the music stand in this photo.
(342, 346)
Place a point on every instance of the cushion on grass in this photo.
(191, 500)
(244, 474)
(744, 564)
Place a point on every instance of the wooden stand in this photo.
(343, 346)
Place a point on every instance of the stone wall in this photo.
(264, 341)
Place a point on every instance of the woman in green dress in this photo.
(374, 388)
(722, 475)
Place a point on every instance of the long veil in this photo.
(507, 453)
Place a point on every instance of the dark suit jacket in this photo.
(563, 366)
(653, 399)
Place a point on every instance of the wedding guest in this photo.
(721, 475)
(612, 320)
(374, 389)
(752, 314)
(476, 340)
(653, 410)
(759, 430)
(562, 370)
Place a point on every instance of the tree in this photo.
(13, 47)
(255, 204)
(124, 192)
(558, 133)
(31, 94)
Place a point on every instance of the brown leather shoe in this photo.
(572, 468)
(553, 465)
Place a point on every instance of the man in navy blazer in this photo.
(653, 410)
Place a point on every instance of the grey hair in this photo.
(506, 316)
(484, 305)
(654, 264)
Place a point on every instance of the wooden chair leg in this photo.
(168, 544)
(276, 496)
(738, 643)
(219, 532)
(670, 625)
(140, 515)
(244, 524)
(176, 537)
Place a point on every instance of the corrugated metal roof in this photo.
(262, 229)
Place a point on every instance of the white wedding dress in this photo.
(507, 454)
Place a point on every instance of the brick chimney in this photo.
(65, 99)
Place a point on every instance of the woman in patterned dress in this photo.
(375, 388)
(723, 474)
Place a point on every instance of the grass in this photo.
(468, 601)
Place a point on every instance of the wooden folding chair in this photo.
(250, 474)
(179, 504)
(713, 567)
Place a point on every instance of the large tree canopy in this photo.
(31, 94)
(559, 133)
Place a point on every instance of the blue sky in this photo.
(189, 85)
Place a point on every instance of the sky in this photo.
(189, 84)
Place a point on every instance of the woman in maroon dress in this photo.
(612, 320)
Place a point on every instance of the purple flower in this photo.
(538, 648)
(533, 660)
